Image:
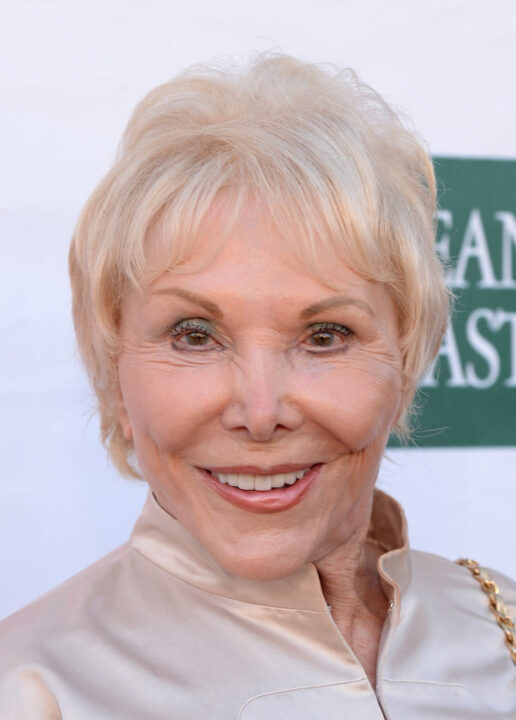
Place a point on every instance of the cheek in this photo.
(167, 405)
(356, 404)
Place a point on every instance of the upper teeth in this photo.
(260, 482)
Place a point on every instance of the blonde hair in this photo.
(332, 163)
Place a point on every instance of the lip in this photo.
(264, 501)
(253, 470)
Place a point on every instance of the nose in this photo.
(260, 404)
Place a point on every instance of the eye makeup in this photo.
(326, 332)
(193, 334)
(196, 330)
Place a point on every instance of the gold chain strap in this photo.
(496, 603)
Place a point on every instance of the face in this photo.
(247, 372)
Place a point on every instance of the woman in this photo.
(256, 295)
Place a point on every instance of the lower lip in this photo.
(264, 501)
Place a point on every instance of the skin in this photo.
(263, 386)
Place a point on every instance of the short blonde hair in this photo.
(332, 163)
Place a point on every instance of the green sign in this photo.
(468, 398)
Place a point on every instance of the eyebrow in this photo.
(308, 312)
(208, 305)
(335, 302)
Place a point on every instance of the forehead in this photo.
(245, 241)
(246, 264)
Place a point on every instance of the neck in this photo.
(351, 586)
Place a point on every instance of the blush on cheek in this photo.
(361, 410)
(168, 406)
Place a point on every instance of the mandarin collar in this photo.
(160, 538)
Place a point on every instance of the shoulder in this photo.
(453, 589)
(443, 577)
(39, 642)
(27, 633)
(449, 635)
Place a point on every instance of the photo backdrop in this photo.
(468, 397)
(70, 74)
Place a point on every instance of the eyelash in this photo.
(191, 327)
(182, 329)
(332, 327)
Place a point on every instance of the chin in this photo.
(262, 567)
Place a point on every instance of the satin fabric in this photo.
(157, 630)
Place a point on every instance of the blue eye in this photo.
(328, 335)
(194, 333)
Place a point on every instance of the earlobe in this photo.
(399, 416)
(123, 416)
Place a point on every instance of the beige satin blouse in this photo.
(157, 631)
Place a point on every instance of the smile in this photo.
(261, 483)
(259, 492)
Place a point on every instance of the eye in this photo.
(329, 335)
(192, 333)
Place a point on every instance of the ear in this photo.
(402, 408)
(123, 416)
(404, 412)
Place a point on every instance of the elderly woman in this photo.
(256, 295)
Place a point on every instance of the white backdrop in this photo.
(70, 74)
